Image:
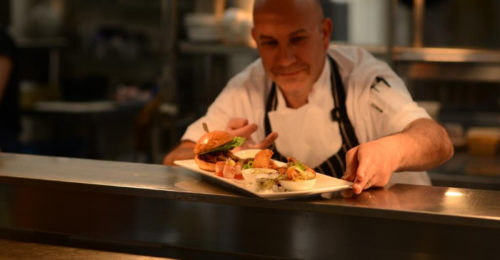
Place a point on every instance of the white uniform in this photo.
(308, 133)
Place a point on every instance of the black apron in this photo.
(335, 165)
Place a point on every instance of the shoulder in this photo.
(253, 75)
(351, 57)
(250, 83)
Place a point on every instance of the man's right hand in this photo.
(239, 127)
(183, 151)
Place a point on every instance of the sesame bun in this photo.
(212, 140)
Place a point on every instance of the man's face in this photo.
(292, 43)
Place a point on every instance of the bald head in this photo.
(292, 38)
(310, 8)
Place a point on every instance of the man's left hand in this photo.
(372, 163)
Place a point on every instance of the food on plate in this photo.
(214, 147)
(263, 160)
(264, 174)
(255, 167)
(232, 167)
(302, 185)
(261, 179)
(298, 176)
(298, 171)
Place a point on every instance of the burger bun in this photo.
(212, 140)
(204, 165)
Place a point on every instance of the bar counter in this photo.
(172, 212)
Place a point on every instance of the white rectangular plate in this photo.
(323, 184)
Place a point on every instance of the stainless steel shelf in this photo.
(377, 50)
(219, 48)
(214, 48)
(409, 54)
(453, 71)
(43, 42)
(455, 55)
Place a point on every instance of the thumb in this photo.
(351, 161)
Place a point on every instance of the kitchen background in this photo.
(121, 79)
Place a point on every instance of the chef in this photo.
(337, 109)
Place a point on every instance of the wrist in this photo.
(403, 150)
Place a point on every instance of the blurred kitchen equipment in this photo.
(237, 25)
(37, 18)
(432, 107)
(204, 27)
(456, 134)
(366, 21)
(215, 7)
(337, 10)
(483, 140)
(245, 5)
(204, 24)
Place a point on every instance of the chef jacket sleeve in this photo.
(392, 107)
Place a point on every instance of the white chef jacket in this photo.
(245, 96)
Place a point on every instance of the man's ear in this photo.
(326, 30)
(254, 36)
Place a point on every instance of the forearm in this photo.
(183, 151)
(423, 145)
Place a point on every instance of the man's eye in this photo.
(298, 39)
(269, 43)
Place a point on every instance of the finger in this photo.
(346, 194)
(268, 141)
(236, 122)
(369, 184)
(244, 131)
(363, 175)
(351, 164)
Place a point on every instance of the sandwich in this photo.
(214, 147)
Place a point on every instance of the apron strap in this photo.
(339, 112)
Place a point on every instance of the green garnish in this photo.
(298, 165)
(237, 141)
(248, 164)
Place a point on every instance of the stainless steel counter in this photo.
(157, 205)
(12, 249)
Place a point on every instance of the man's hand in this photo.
(240, 127)
(422, 145)
(371, 164)
(182, 152)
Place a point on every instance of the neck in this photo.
(296, 99)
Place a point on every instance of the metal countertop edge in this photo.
(306, 206)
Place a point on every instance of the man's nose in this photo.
(286, 56)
